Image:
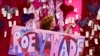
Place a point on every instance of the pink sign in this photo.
(37, 42)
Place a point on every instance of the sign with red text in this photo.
(36, 42)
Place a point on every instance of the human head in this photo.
(27, 19)
(47, 23)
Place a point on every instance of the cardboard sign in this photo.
(37, 42)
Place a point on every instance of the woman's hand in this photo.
(69, 28)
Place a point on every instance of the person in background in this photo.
(28, 20)
(47, 23)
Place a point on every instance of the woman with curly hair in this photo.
(47, 23)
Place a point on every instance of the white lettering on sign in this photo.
(16, 36)
(90, 52)
(32, 41)
(17, 12)
(14, 23)
(98, 27)
(96, 41)
(55, 43)
(86, 43)
(64, 51)
(80, 44)
(90, 23)
(72, 51)
(25, 10)
(24, 42)
(10, 23)
(87, 34)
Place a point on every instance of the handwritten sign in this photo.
(37, 42)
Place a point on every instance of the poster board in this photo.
(36, 42)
